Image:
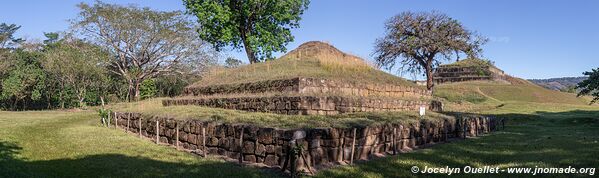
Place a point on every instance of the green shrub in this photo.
(148, 89)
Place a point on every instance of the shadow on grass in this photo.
(543, 139)
(115, 165)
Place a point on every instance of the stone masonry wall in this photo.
(460, 74)
(305, 105)
(322, 147)
(311, 86)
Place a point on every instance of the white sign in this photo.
(299, 134)
(422, 110)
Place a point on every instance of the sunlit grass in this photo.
(292, 68)
(537, 134)
(72, 144)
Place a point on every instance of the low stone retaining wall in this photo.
(445, 74)
(320, 147)
(311, 86)
(306, 105)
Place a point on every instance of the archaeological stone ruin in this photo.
(468, 70)
(307, 95)
(323, 147)
(322, 95)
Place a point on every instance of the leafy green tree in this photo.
(260, 26)
(590, 86)
(25, 80)
(7, 40)
(5, 61)
(419, 41)
(51, 38)
(145, 43)
(173, 84)
(148, 89)
(231, 62)
(78, 65)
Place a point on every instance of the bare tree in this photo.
(145, 43)
(419, 41)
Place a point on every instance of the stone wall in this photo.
(284, 85)
(306, 105)
(322, 147)
(307, 86)
(445, 74)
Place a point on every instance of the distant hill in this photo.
(558, 83)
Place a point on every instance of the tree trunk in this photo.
(130, 90)
(61, 96)
(24, 105)
(81, 103)
(102, 101)
(49, 102)
(136, 91)
(429, 76)
(15, 105)
(248, 49)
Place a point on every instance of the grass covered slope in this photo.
(311, 59)
(470, 62)
(154, 107)
(518, 90)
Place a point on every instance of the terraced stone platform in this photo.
(314, 79)
(307, 96)
(468, 70)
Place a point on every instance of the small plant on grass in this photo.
(104, 116)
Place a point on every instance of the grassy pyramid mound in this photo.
(311, 60)
(314, 79)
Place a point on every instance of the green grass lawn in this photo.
(543, 135)
(72, 144)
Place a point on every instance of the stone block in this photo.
(271, 160)
(248, 147)
(260, 150)
(249, 158)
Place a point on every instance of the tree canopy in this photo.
(590, 86)
(419, 41)
(261, 27)
(78, 65)
(25, 80)
(145, 43)
(7, 39)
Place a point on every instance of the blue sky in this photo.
(528, 39)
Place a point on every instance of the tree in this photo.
(51, 38)
(419, 41)
(145, 43)
(25, 80)
(260, 26)
(590, 85)
(148, 89)
(7, 40)
(78, 65)
(231, 62)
